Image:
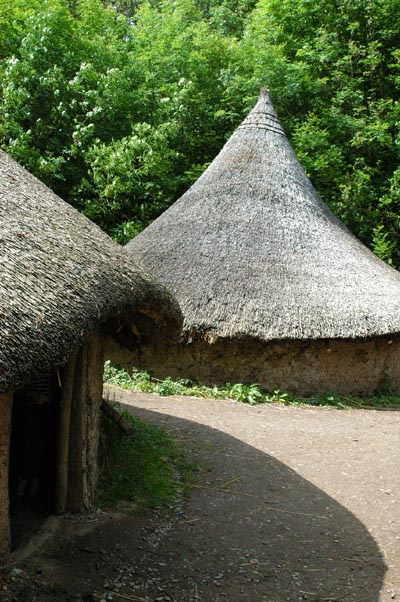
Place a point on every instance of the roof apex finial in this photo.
(263, 115)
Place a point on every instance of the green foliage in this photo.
(145, 467)
(118, 105)
(383, 246)
(247, 393)
(115, 117)
(14, 18)
(333, 67)
(250, 394)
(63, 90)
(138, 380)
(142, 381)
(131, 177)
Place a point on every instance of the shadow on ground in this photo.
(251, 529)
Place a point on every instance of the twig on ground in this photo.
(343, 558)
(231, 481)
(132, 598)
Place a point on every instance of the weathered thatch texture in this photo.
(59, 276)
(252, 251)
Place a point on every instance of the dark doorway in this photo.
(33, 454)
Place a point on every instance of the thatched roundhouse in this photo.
(274, 289)
(65, 287)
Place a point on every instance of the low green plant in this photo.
(169, 387)
(246, 393)
(137, 380)
(145, 467)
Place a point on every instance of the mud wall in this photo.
(345, 367)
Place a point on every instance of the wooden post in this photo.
(76, 498)
(94, 393)
(87, 392)
(5, 435)
(67, 382)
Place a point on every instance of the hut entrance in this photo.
(33, 453)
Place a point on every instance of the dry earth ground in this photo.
(290, 504)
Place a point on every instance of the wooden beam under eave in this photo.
(67, 383)
(5, 436)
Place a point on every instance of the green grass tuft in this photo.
(251, 394)
(146, 468)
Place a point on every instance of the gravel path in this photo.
(290, 504)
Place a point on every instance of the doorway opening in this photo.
(33, 456)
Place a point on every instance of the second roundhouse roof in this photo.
(251, 250)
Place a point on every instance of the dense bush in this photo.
(119, 105)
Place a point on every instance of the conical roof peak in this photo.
(263, 115)
(251, 250)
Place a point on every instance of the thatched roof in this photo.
(59, 275)
(251, 250)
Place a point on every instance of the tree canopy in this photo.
(119, 105)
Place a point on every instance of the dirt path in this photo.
(291, 504)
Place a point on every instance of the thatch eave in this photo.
(197, 334)
(61, 277)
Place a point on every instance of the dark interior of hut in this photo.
(33, 453)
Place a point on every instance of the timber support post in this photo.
(84, 425)
(67, 381)
(94, 393)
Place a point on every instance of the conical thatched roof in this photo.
(251, 250)
(59, 275)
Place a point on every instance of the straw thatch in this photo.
(251, 250)
(59, 276)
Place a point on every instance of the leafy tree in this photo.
(331, 66)
(132, 178)
(185, 70)
(82, 86)
(34, 128)
(118, 105)
(69, 86)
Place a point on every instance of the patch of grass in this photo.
(145, 468)
(387, 400)
(251, 394)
